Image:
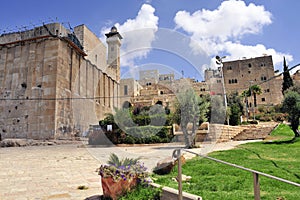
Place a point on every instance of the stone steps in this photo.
(260, 131)
(224, 133)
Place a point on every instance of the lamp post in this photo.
(253, 106)
(219, 62)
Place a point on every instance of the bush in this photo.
(147, 135)
(143, 193)
(266, 118)
(279, 117)
(141, 120)
(253, 122)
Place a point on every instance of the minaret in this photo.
(113, 40)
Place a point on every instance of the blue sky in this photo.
(179, 36)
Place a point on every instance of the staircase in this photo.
(257, 131)
(224, 133)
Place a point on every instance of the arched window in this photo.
(127, 104)
(159, 103)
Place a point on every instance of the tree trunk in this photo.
(193, 135)
(186, 136)
(294, 126)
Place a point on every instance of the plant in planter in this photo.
(120, 176)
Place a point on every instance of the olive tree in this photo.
(190, 109)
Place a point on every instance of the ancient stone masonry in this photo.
(239, 75)
(50, 86)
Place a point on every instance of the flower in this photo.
(126, 169)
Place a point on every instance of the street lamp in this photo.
(219, 62)
(253, 106)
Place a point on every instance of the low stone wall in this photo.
(171, 193)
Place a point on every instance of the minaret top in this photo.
(113, 31)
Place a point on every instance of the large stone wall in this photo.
(49, 90)
(28, 73)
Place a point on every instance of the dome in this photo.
(113, 29)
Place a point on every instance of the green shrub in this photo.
(143, 193)
(141, 120)
(129, 140)
(244, 123)
(265, 118)
(148, 135)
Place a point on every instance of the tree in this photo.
(218, 112)
(291, 105)
(245, 95)
(287, 80)
(190, 108)
(255, 90)
(123, 118)
(236, 108)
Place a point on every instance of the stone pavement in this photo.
(55, 172)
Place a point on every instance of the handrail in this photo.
(177, 155)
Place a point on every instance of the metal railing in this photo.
(178, 153)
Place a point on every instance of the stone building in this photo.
(154, 88)
(239, 75)
(129, 88)
(55, 82)
(296, 77)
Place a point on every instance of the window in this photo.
(125, 89)
(161, 92)
(263, 78)
(249, 65)
(249, 72)
(229, 68)
(263, 99)
(232, 81)
(262, 64)
(218, 81)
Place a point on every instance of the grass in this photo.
(279, 157)
(143, 193)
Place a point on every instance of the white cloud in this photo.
(138, 35)
(220, 31)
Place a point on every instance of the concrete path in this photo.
(56, 172)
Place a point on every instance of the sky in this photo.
(174, 36)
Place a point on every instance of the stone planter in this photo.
(115, 189)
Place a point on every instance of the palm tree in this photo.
(255, 90)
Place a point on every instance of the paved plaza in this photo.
(56, 172)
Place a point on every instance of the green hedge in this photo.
(148, 135)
